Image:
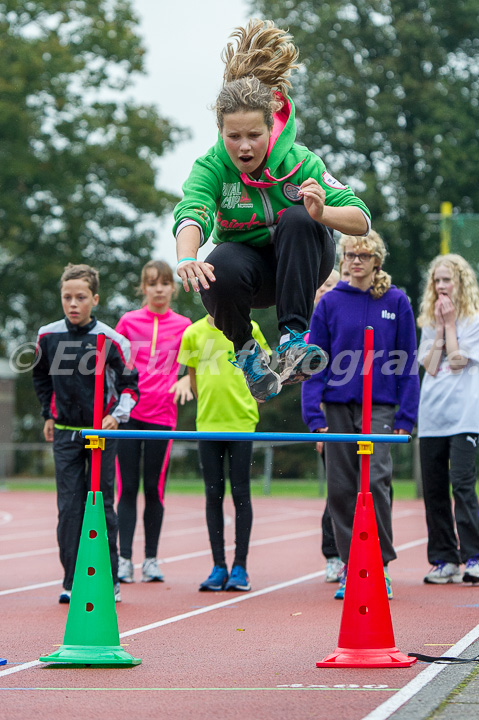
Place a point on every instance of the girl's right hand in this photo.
(320, 445)
(49, 430)
(438, 316)
(193, 271)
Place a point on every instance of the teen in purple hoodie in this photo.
(337, 326)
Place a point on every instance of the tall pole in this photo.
(367, 402)
(98, 412)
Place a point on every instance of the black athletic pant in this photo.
(72, 474)
(212, 456)
(328, 545)
(286, 273)
(451, 461)
(155, 462)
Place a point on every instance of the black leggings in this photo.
(155, 464)
(450, 462)
(212, 456)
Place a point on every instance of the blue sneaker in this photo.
(339, 594)
(388, 584)
(239, 580)
(263, 383)
(297, 360)
(216, 581)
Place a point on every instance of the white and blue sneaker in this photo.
(65, 597)
(216, 581)
(339, 594)
(443, 573)
(150, 571)
(297, 360)
(388, 583)
(471, 573)
(238, 579)
(263, 383)
(334, 567)
(125, 570)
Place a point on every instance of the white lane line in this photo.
(178, 558)
(24, 666)
(5, 517)
(29, 535)
(387, 708)
(216, 606)
(229, 520)
(224, 603)
(186, 616)
(29, 553)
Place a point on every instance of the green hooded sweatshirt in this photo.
(237, 208)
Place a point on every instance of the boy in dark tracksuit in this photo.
(64, 381)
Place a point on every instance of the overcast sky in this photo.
(184, 40)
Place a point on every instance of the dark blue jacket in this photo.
(64, 372)
(337, 326)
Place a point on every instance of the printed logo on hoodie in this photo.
(235, 195)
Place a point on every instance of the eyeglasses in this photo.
(362, 257)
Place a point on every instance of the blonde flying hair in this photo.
(256, 70)
(466, 292)
(374, 244)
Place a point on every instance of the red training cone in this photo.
(366, 637)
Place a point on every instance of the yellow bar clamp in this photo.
(96, 443)
(366, 447)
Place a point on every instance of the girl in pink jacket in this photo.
(155, 334)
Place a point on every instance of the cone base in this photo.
(369, 657)
(2, 661)
(91, 655)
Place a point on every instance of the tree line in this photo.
(388, 95)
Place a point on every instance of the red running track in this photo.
(205, 655)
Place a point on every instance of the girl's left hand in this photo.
(448, 310)
(401, 431)
(109, 423)
(314, 198)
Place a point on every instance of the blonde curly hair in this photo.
(257, 71)
(374, 244)
(466, 292)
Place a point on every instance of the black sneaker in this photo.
(65, 597)
(263, 383)
(297, 360)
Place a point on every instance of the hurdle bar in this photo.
(243, 436)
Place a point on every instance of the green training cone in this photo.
(91, 633)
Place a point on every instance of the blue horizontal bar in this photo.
(266, 436)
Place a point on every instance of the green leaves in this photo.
(389, 96)
(77, 161)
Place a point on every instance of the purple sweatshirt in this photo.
(337, 326)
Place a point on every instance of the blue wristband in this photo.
(185, 260)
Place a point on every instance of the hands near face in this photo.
(444, 311)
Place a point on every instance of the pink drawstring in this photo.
(262, 184)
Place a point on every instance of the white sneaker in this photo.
(125, 570)
(151, 571)
(444, 573)
(472, 570)
(334, 568)
(117, 592)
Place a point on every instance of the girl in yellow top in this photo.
(224, 404)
